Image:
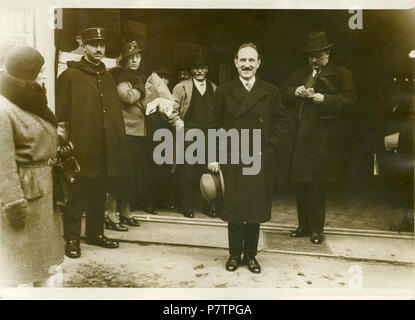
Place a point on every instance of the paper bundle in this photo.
(391, 141)
(163, 105)
(157, 96)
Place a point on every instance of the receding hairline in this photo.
(247, 45)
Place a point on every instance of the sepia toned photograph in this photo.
(214, 153)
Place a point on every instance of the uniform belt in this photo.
(36, 164)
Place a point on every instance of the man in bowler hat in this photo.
(248, 102)
(88, 105)
(315, 95)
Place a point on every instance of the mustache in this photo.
(246, 68)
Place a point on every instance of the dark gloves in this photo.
(16, 215)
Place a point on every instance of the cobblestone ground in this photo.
(161, 266)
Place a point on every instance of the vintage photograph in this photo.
(207, 148)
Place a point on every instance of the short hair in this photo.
(248, 45)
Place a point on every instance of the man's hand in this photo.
(300, 91)
(179, 124)
(318, 98)
(213, 167)
(304, 93)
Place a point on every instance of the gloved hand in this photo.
(17, 216)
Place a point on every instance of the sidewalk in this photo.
(360, 245)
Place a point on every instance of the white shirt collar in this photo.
(250, 81)
(200, 85)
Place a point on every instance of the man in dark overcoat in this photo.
(248, 102)
(88, 105)
(317, 93)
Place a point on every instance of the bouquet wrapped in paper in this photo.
(157, 96)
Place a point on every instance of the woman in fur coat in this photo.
(31, 243)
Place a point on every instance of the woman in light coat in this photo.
(31, 243)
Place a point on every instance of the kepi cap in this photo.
(93, 34)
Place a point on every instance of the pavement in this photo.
(354, 245)
(145, 267)
(172, 257)
(189, 254)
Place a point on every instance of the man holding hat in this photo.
(316, 94)
(192, 98)
(89, 106)
(248, 102)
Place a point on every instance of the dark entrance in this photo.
(365, 197)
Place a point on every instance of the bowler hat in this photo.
(23, 62)
(93, 34)
(317, 41)
(199, 59)
(212, 187)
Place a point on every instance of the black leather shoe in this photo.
(316, 238)
(299, 233)
(73, 249)
(103, 241)
(233, 263)
(253, 264)
(189, 213)
(130, 221)
(151, 210)
(116, 226)
(211, 212)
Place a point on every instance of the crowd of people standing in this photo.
(102, 114)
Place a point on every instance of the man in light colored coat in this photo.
(192, 98)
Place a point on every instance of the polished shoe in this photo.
(253, 264)
(189, 213)
(73, 249)
(151, 210)
(233, 263)
(130, 221)
(116, 226)
(316, 238)
(211, 212)
(299, 233)
(102, 241)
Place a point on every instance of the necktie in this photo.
(202, 88)
(248, 86)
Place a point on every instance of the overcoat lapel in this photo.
(187, 95)
(247, 100)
